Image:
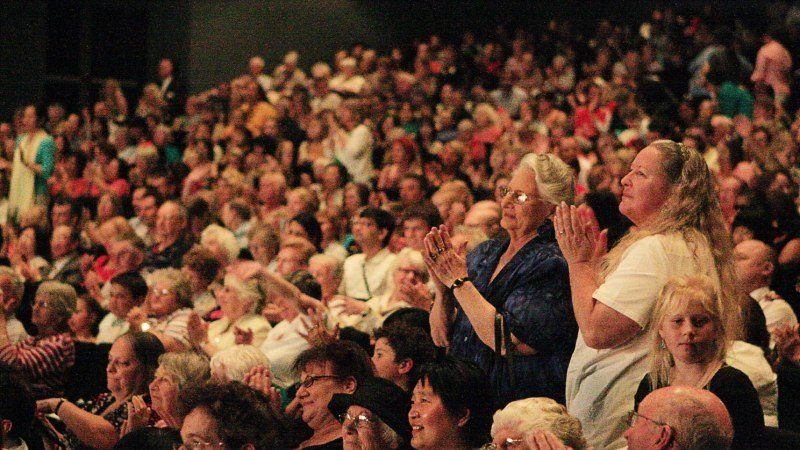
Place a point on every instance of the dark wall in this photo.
(22, 54)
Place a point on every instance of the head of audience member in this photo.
(65, 211)
(32, 242)
(128, 252)
(263, 243)
(175, 372)
(200, 267)
(400, 351)
(328, 272)
(147, 206)
(272, 189)
(413, 189)
(680, 417)
(373, 229)
(83, 324)
(13, 287)
(451, 406)
(374, 416)
(17, 408)
(752, 223)
(515, 425)
(337, 367)
(170, 291)
(465, 239)
(233, 363)
(408, 273)
(417, 221)
(238, 297)
(485, 215)
(221, 242)
(231, 415)
(64, 241)
(755, 264)
(539, 184)
(128, 289)
(356, 196)
(132, 363)
(235, 213)
(306, 226)
(52, 307)
(691, 328)
(171, 223)
(293, 255)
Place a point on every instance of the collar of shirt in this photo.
(760, 294)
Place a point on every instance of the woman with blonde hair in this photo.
(688, 342)
(679, 229)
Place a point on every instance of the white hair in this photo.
(225, 239)
(246, 290)
(238, 360)
(554, 179)
(540, 413)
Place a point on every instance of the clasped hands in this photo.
(444, 264)
(579, 236)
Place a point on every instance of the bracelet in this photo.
(58, 405)
(459, 282)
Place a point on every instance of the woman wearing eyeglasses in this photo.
(45, 358)
(513, 291)
(335, 368)
(166, 310)
(690, 335)
(669, 196)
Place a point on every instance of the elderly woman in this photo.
(514, 290)
(522, 422)
(166, 310)
(407, 288)
(46, 357)
(669, 196)
(688, 341)
(175, 372)
(238, 301)
(96, 423)
(374, 416)
(451, 406)
(334, 368)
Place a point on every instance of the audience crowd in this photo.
(541, 239)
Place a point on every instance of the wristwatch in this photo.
(459, 282)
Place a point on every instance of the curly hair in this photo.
(691, 211)
(179, 282)
(540, 413)
(242, 415)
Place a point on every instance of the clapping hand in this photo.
(197, 329)
(260, 379)
(138, 415)
(441, 258)
(787, 341)
(318, 333)
(579, 236)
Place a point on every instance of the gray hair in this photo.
(179, 282)
(414, 257)
(540, 413)
(330, 261)
(554, 179)
(695, 426)
(225, 239)
(61, 298)
(185, 367)
(246, 290)
(238, 360)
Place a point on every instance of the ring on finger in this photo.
(433, 256)
(440, 250)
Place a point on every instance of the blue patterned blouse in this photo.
(533, 293)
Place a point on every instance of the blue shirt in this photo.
(533, 293)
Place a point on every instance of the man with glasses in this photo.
(374, 416)
(680, 417)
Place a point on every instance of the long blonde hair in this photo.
(691, 211)
(675, 297)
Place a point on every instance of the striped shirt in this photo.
(45, 361)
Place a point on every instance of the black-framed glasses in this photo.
(630, 419)
(518, 196)
(311, 379)
(360, 420)
(508, 443)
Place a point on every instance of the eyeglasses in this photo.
(194, 445)
(630, 419)
(506, 444)
(360, 421)
(155, 291)
(518, 196)
(311, 379)
(41, 303)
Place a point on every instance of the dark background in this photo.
(62, 50)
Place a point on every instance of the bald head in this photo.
(755, 264)
(681, 417)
